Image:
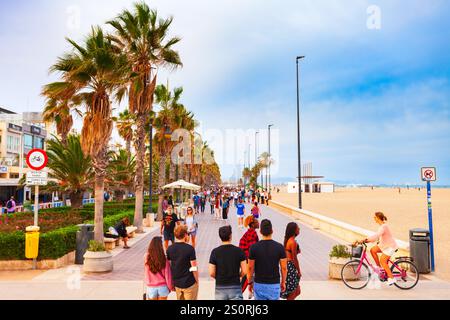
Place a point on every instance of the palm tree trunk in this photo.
(64, 139)
(172, 171)
(139, 182)
(76, 199)
(128, 148)
(99, 199)
(161, 183)
(181, 174)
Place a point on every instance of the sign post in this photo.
(429, 175)
(37, 160)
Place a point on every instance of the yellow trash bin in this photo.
(32, 242)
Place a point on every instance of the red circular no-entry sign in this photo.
(429, 174)
(37, 159)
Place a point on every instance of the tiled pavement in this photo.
(128, 265)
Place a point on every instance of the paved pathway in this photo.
(315, 247)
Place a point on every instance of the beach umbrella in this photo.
(181, 184)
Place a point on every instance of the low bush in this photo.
(340, 251)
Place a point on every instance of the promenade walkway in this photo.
(128, 265)
(125, 283)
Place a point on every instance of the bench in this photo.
(110, 243)
(131, 231)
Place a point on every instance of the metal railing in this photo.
(48, 205)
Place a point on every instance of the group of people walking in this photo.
(267, 269)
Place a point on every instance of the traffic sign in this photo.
(37, 159)
(428, 174)
(37, 178)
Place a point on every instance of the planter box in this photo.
(97, 262)
(335, 267)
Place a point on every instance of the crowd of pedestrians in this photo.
(268, 270)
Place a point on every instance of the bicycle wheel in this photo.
(354, 279)
(408, 275)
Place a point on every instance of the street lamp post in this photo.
(300, 204)
(268, 182)
(150, 209)
(256, 155)
(150, 206)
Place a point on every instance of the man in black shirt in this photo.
(266, 257)
(170, 221)
(227, 265)
(183, 263)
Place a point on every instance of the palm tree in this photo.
(143, 36)
(246, 173)
(124, 125)
(121, 170)
(266, 160)
(70, 167)
(96, 70)
(58, 107)
(165, 122)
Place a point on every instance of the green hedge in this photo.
(12, 246)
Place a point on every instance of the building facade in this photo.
(19, 133)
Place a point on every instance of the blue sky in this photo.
(375, 103)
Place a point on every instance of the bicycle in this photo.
(357, 273)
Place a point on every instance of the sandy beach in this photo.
(405, 210)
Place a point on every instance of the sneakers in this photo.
(391, 281)
(250, 296)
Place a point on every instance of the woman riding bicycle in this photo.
(386, 245)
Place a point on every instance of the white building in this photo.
(314, 187)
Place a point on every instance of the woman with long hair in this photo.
(294, 273)
(387, 246)
(158, 277)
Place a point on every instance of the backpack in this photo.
(9, 204)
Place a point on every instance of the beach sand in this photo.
(405, 210)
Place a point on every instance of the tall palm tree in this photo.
(124, 125)
(143, 36)
(97, 71)
(165, 122)
(70, 167)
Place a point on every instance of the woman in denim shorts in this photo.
(158, 277)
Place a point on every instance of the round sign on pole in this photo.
(37, 159)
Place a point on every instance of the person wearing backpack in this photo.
(11, 206)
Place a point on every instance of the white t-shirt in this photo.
(190, 223)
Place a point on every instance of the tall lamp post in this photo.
(300, 204)
(256, 156)
(268, 182)
(150, 206)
